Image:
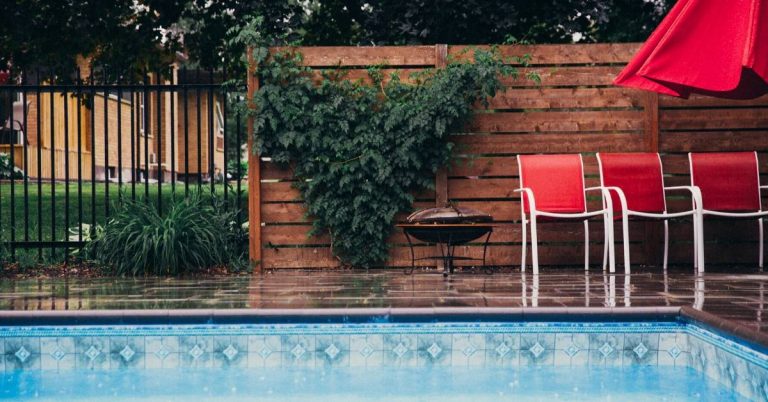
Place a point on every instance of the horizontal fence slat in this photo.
(697, 100)
(527, 122)
(547, 143)
(330, 56)
(565, 98)
(713, 119)
(603, 53)
(723, 141)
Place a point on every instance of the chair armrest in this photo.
(607, 200)
(695, 194)
(527, 192)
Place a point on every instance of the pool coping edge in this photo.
(246, 316)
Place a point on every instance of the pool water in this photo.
(379, 360)
(445, 384)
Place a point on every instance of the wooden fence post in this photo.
(651, 139)
(254, 174)
(651, 129)
(441, 178)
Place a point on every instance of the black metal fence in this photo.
(70, 149)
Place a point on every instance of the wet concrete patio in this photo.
(735, 295)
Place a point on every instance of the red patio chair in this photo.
(730, 187)
(641, 193)
(552, 188)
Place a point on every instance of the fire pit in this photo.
(448, 227)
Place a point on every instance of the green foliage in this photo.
(132, 34)
(124, 34)
(7, 170)
(397, 22)
(193, 234)
(360, 151)
(237, 169)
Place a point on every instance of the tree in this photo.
(630, 21)
(144, 34)
(122, 34)
(338, 22)
(207, 26)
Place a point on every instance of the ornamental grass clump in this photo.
(191, 235)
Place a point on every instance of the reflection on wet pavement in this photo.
(733, 295)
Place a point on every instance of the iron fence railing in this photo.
(70, 149)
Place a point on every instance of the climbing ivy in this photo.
(359, 149)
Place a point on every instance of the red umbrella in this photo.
(712, 47)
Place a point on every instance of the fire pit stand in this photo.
(448, 236)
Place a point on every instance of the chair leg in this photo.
(608, 227)
(666, 243)
(586, 245)
(700, 247)
(605, 251)
(625, 241)
(760, 224)
(534, 246)
(695, 244)
(525, 244)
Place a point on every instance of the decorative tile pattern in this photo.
(674, 351)
(478, 345)
(297, 351)
(196, 352)
(502, 349)
(58, 353)
(572, 350)
(332, 351)
(606, 349)
(400, 349)
(263, 351)
(22, 354)
(640, 350)
(162, 353)
(434, 350)
(367, 350)
(537, 349)
(230, 352)
(92, 352)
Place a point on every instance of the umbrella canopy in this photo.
(711, 47)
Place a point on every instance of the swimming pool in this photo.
(383, 357)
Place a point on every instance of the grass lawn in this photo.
(47, 208)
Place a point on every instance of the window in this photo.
(142, 117)
(220, 120)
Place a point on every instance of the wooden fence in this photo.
(575, 109)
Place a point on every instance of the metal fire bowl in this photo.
(447, 234)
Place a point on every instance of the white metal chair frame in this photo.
(695, 213)
(606, 212)
(759, 214)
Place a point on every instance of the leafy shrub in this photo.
(7, 170)
(232, 169)
(193, 234)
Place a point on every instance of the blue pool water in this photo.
(672, 360)
(634, 383)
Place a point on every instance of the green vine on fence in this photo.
(359, 150)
